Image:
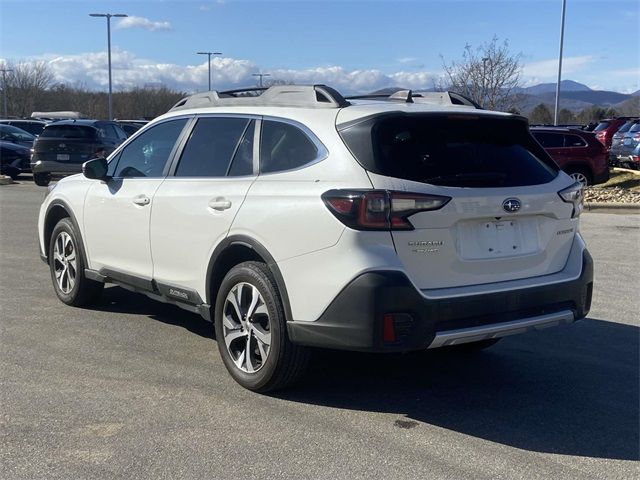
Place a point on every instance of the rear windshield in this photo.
(450, 150)
(625, 128)
(601, 126)
(69, 131)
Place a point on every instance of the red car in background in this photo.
(577, 152)
(608, 127)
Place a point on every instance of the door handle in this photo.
(219, 203)
(141, 200)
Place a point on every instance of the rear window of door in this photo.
(217, 147)
(147, 154)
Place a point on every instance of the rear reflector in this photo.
(388, 330)
(379, 209)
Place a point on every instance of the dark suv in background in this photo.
(64, 146)
(577, 152)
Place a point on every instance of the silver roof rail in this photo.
(409, 96)
(306, 96)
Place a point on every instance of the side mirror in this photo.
(95, 169)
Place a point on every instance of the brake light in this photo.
(574, 195)
(379, 209)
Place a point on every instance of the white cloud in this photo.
(548, 69)
(90, 70)
(406, 59)
(141, 22)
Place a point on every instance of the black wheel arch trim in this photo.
(65, 206)
(262, 251)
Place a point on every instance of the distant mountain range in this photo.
(574, 96)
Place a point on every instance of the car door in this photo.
(117, 212)
(196, 204)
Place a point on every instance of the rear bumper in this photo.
(42, 166)
(355, 320)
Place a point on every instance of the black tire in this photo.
(83, 292)
(472, 347)
(11, 171)
(285, 362)
(42, 179)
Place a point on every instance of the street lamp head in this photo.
(108, 15)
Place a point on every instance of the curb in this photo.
(625, 170)
(5, 180)
(611, 206)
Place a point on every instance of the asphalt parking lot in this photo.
(136, 389)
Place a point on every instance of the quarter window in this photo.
(574, 141)
(284, 147)
(549, 140)
(211, 146)
(147, 155)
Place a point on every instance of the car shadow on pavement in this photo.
(570, 390)
(119, 300)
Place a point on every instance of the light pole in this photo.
(108, 17)
(4, 88)
(261, 75)
(208, 54)
(555, 115)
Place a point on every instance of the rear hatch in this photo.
(504, 220)
(66, 143)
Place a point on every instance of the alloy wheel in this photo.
(65, 262)
(580, 178)
(246, 327)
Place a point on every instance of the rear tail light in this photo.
(573, 194)
(379, 209)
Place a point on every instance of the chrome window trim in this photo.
(323, 152)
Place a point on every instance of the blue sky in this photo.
(355, 46)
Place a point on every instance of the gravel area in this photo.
(611, 195)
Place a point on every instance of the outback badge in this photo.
(511, 205)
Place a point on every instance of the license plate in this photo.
(62, 157)
(496, 239)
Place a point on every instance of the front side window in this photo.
(284, 147)
(147, 155)
(211, 147)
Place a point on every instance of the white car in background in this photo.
(298, 218)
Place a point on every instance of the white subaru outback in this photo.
(298, 218)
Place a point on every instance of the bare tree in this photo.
(488, 74)
(25, 86)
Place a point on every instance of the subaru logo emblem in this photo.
(511, 205)
(62, 145)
